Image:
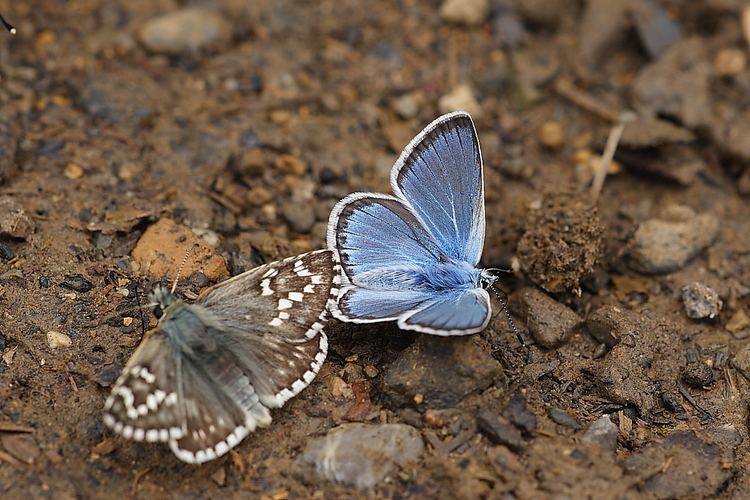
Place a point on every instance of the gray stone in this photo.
(439, 372)
(499, 430)
(549, 322)
(701, 301)
(563, 418)
(602, 432)
(300, 217)
(360, 455)
(662, 246)
(741, 361)
(183, 31)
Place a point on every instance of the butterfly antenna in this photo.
(182, 265)
(140, 310)
(11, 29)
(504, 301)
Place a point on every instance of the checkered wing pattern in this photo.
(208, 374)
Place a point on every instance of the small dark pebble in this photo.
(6, 252)
(44, 282)
(499, 431)
(562, 418)
(77, 283)
(671, 402)
(123, 265)
(198, 279)
(411, 416)
(248, 139)
(50, 148)
(107, 376)
(518, 413)
(3, 343)
(327, 176)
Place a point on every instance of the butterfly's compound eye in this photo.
(158, 312)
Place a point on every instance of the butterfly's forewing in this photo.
(375, 233)
(440, 175)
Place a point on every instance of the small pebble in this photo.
(220, 476)
(290, 164)
(738, 322)
(741, 360)
(701, 301)
(407, 105)
(698, 375)
(550, 323)
(127, 321)
(57, 339)
(6, 252)
(371, 371)
(184, 31)
(517, 411)
(73, 171)
(730, 62)
(460, 98)
(563, 418)
(77, 283)
(551, 135)
(13, 219)
(663, 246)
(300, 217)
(500, 431)
(468, 12)
(602, 432)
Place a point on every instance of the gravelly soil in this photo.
(242, 130)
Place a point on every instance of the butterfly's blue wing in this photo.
(439, 174)
(457, 312)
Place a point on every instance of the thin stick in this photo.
(11, 29)
(609, 152)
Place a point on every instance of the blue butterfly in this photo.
(412, 257)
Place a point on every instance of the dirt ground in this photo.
(129, 130)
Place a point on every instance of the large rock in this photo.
(360, 455)
(439, 372)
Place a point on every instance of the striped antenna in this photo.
(182, 265)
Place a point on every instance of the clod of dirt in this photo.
(602, 432)
(499, 430)
(468, 12)
(741, 361)
(738, 322)
(299, 216)
(696, 465)
(161, 249)
(660, 246)
(550, 323)
(562, 243)
(701, 301)
(678, 84)
(642, 364)
(360, 455)
(13, 219)
(184, 31)
(460, 98)
(439, 372)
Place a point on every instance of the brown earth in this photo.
(126, 137)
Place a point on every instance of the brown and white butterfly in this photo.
(208, 374)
